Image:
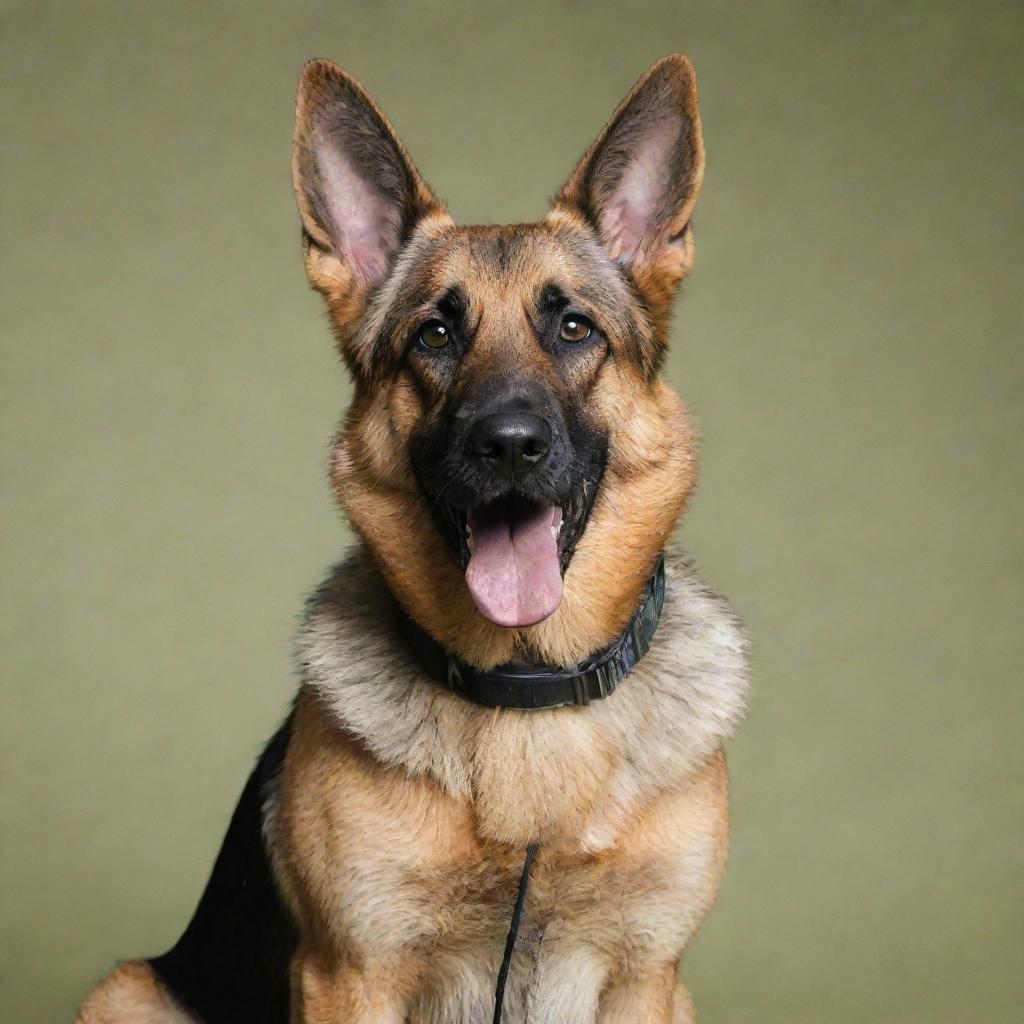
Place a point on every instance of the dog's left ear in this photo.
(637, 184)
(358, 192)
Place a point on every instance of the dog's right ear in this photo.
(358, 192)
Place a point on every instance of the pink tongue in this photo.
(513, 574)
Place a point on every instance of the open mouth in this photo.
(514, 567)
(509, 475)
(515, 546)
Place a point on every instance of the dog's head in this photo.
(511, 455)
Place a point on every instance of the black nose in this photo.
(510, 442)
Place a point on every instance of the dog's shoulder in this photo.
(696, 672)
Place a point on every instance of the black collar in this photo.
(529, 687)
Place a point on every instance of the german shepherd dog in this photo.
(513, 466)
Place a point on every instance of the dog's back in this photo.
(232, 962)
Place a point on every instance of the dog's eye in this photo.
(575, 328)
(433, 335)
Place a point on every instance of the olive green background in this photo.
(851, 342)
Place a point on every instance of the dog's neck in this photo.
(534, 687)
(674, 710)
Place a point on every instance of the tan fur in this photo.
(404, 902)
(398, 824)
(651, 471)
(131, 994)
(403, 811)
(653, 458)
(565, 775)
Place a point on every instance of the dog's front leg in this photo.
(656, 996)
(333, 993)
(567, 981)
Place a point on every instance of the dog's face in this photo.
(511, 456)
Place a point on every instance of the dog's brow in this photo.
(552, 299)
(550, 302)
(452, 303)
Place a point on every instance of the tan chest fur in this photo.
(402, 813)
(387, 869)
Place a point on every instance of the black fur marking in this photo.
(502, 252)
(452, 305)
(232, 963)
(552, 299)
(453, 483)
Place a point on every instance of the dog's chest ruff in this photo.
(571, 774)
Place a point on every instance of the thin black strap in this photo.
(513, 931)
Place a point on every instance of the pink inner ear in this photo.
(364, 227)
(631, 215)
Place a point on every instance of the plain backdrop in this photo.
(851, 343)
